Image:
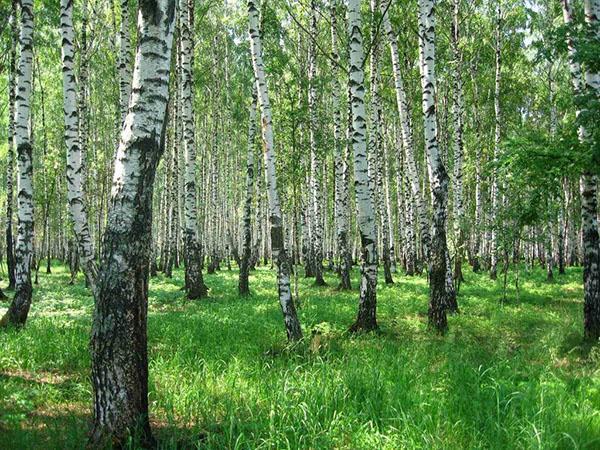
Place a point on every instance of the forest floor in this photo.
(507, 375)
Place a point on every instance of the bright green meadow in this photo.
(507, 375)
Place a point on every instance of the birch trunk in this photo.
(497, 135)
(438, 177)
(124, 60)
(243, 287)
(341, 164)
(587, 183)
(19, 307)
(119, 330)
(458, 148)
(194, 283)
(407, 138)
(367, 308)
(10, 154)
(75, 169)
(280, 257)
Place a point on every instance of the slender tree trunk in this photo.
(341, 164)
(497, 136)
(476, 259)
(367, 308)
(407, 138)
(315, 158)
(280, 257)
(119, 331)
(438, 177)
(19, 307)
(194, 282)
(75, 169)
(243, 287)
(458, 145)
(124, 60)
(10, 154)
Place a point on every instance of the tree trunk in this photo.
(19, 307)
(280, 257)
(194, 284)
(10, 154)
(75, 169)
(119, 331)
(341, 164)
(438, 177)
(316, 198)
(407, 139)
(124, 60)
(497, 136)
(367, 308)
(458, 145)
(243, 287)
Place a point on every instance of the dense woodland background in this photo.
(426, 170)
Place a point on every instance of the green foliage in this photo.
(512, 376)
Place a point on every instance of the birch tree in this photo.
(497, 135)
(124, 60)
(407, 138)
(315, 160)
(438, 177)
(458, 144)
(194, 283)
(19, 307)
(292, 324)
(587, 82)
(119, 331)
(340, 162)
(10, 153)
(243, 287)
(75, 169)
(367, 308)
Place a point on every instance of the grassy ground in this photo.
(505, 376)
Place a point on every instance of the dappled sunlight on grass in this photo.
(508, 374)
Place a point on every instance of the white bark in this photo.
(367, 309)
(340, 162)
(438, 177)
(497, 136)
(75, 170)
(119, 336)
(589, 84)
(315, 159)
(124, 60)
(277, 244)
(406, 133)
(19, 308)
(193, 274)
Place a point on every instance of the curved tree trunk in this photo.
(438, 177)
(280, 257)
(19, 307)
(75, 170)
(407, 139)
(119, 336)
(367, 308)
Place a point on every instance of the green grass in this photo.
(511, 375)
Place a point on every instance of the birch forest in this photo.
(310, 224)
